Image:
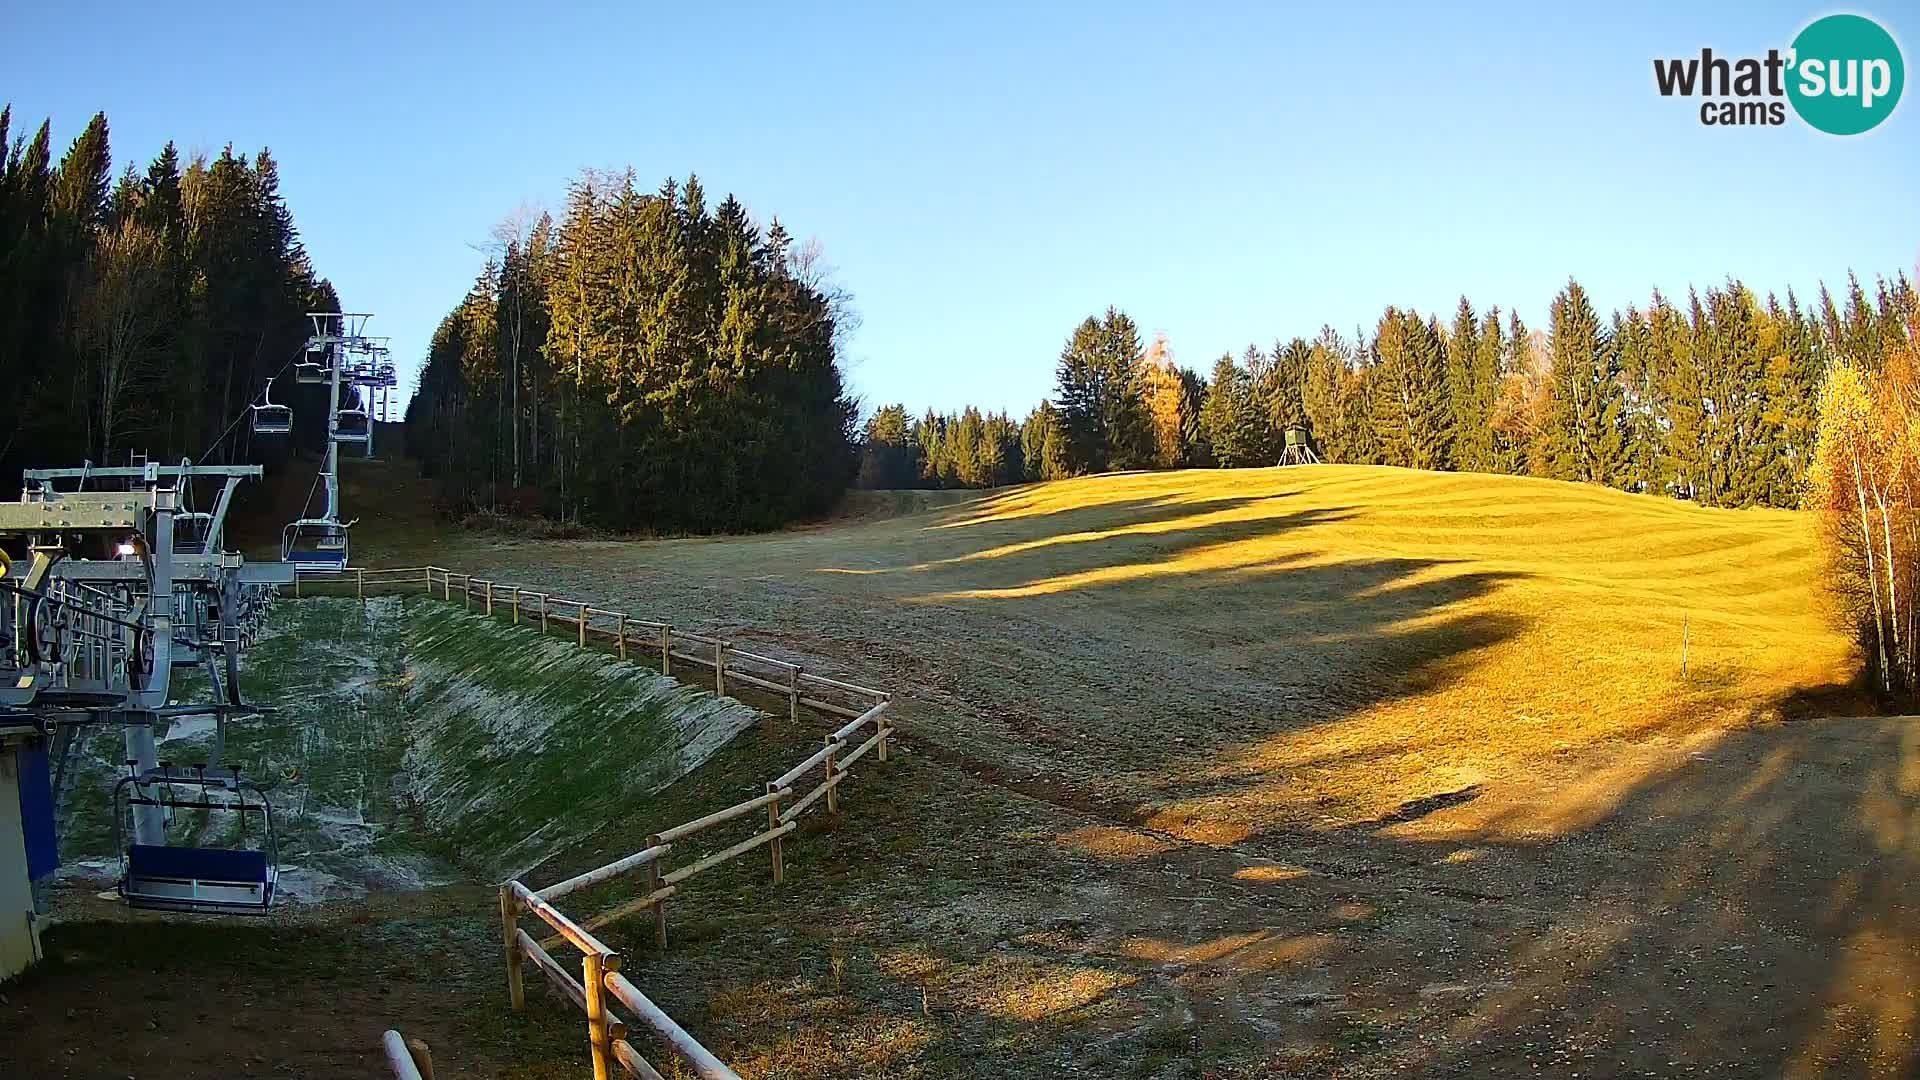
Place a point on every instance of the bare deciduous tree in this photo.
(122, 326)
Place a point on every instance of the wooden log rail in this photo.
(631, 635)
(862, 707)
(409, 1059)
(600, 978)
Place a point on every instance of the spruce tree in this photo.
(1642, 385)
(80, 186)
(1416, 427)
(1100, 405)
(1233, 426)
(1321, 394)
(1473, 380)
(1581, 434)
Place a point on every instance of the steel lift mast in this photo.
(319, 545)
(103, 597)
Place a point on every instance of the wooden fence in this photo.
(861, 707)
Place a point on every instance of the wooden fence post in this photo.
(654, 871)
(489, 586)
(773, 822)
(466, 591)
(595, 968)
(509, 915)
(360, 583)
(720, 667)
(886, 729)
(296, 584)
(543, 612)
(516, 605)
(666, 650)
(833, 789)
(583, 625)
(422, 1057)
(793, 693)
(622, 638)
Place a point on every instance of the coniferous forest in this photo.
(1714, 399)
(645, 362)
(143, 310)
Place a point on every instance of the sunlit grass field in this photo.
(1228, 650)
(1330, 771)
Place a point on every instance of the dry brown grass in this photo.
(1327, 772)
(1234, 651)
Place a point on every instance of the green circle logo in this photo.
(1847, 74)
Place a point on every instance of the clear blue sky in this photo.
(985, 176)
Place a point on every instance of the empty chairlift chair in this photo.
(191, 533)
(351, 425)
(215, 880)
(315, 546)
(311, 372)
(271, 419)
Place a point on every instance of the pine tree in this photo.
(1043, 444)
(1794, 378)
(1281, 390)
(1644, 401)
(1105, 421)
(1000, 450)
(78, 200)
(1234, 428)
(1684, 464)
(1473, 379)
(1321, 395)
(1416, 428)
(1731, 361)
(1581, 433)
(971, 464)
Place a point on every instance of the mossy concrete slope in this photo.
(521, 744)
(412, 744)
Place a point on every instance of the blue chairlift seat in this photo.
(233, 881)
(315, 546)
(272, 419)
(199, 879)
(351, 426)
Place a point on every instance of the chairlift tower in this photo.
(110, 578)
(318, 545)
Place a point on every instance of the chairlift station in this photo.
(111, 579)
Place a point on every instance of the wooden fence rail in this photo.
(408, 1058)
(607, 1032)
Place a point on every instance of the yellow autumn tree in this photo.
(1864, 481)
(1164, 394)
